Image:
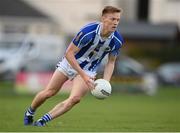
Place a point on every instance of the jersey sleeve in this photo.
(81, 38)
(118, 42)
(115, 52)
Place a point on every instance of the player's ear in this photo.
(102, 18)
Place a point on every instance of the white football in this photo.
(102, 89)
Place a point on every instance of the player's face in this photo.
(110, 21)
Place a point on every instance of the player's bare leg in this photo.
(79, 89)
(52, 88)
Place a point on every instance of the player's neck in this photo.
(105, 33)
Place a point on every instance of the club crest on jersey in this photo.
(107, 49)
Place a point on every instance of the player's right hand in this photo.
(89, 81)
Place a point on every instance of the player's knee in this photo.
(50, 92)
(75, 100)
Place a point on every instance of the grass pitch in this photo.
(121, 112)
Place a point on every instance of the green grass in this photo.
(121, 112)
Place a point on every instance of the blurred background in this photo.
(35, 33)
(146, 82)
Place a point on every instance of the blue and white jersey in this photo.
(93, 47)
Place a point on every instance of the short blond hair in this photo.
(110, 9)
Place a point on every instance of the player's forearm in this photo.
(108, 71)
(73, 62)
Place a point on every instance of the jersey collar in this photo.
(99, 29)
